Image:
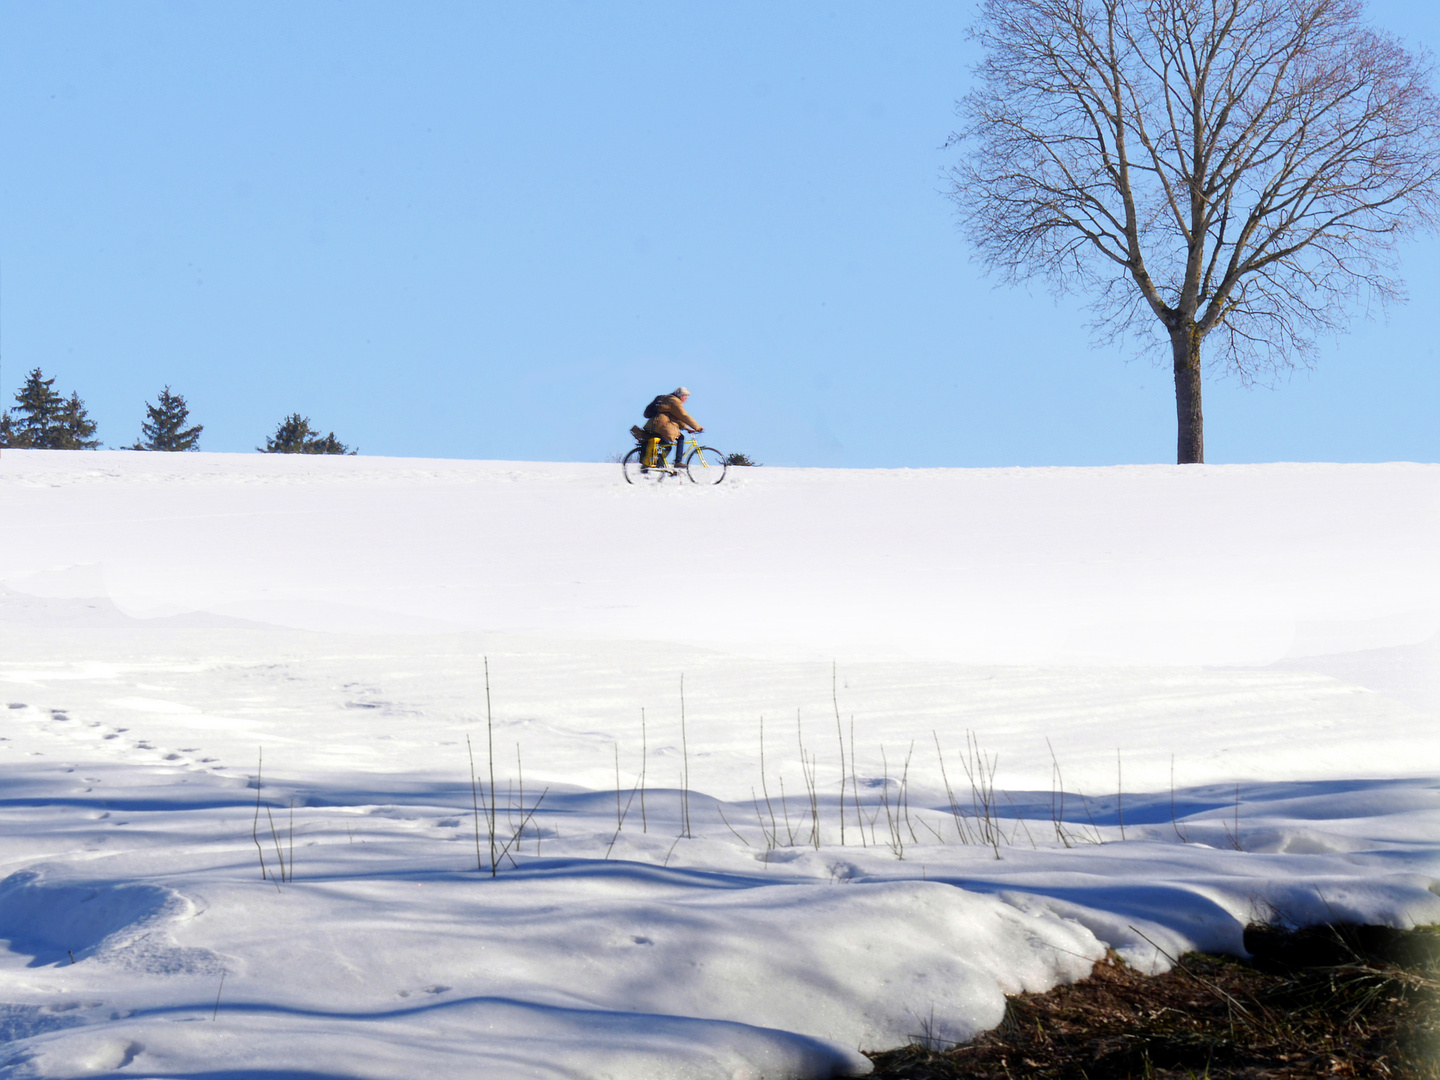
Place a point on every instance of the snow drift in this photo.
(1206, 697)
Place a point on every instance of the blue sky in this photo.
(495, 231)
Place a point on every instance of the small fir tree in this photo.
(43, 420)
(295, 436)
(164, 427)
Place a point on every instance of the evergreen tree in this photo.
(295, 436)
(35, 412)
(43, 420)
(76, 427)
(328, 445)
(164, 427)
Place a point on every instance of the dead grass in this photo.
(1337, 1001)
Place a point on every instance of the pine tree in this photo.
(76, 427)
(43, 420)
(164, 427)
(290, 436)
(328, 445)
(36, 410)
(295, 436)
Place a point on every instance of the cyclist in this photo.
(667, 419)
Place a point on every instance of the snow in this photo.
(1234, 672)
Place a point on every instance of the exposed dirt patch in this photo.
(1340, 1001)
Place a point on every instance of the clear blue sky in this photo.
(496, 230)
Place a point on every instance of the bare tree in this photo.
(1238, 167)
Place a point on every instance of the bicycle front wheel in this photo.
(636, 473)
(705, 465)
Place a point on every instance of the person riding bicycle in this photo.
(667, 418)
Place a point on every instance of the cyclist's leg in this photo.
(679, 449)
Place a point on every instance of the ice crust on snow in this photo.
(1235, 671)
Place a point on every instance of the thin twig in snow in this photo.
(505, 851)
(766, 789)
(840, 734)
(855, 785)
(1173, 823)
(475, 802)
(1119, 797)
(723, 818)
(685, 752)
(490, 737)
(255, 827)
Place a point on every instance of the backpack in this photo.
(653, 409)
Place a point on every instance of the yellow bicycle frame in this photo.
(649, 457)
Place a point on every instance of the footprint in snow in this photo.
(436, 989)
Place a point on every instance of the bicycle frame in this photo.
(652, 448)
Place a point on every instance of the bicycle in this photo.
(646, 463)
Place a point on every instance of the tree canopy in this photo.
(1237, 168)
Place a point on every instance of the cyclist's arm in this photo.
(679, 413)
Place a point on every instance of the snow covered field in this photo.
(1248, 656)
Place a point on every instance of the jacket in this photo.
(671, 419)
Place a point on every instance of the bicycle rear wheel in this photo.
(636, 473)
(705, 465)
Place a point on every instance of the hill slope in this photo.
(1207, 696)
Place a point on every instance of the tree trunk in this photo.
(1190, 443)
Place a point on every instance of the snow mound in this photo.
(115, 923)
(504, 1040)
